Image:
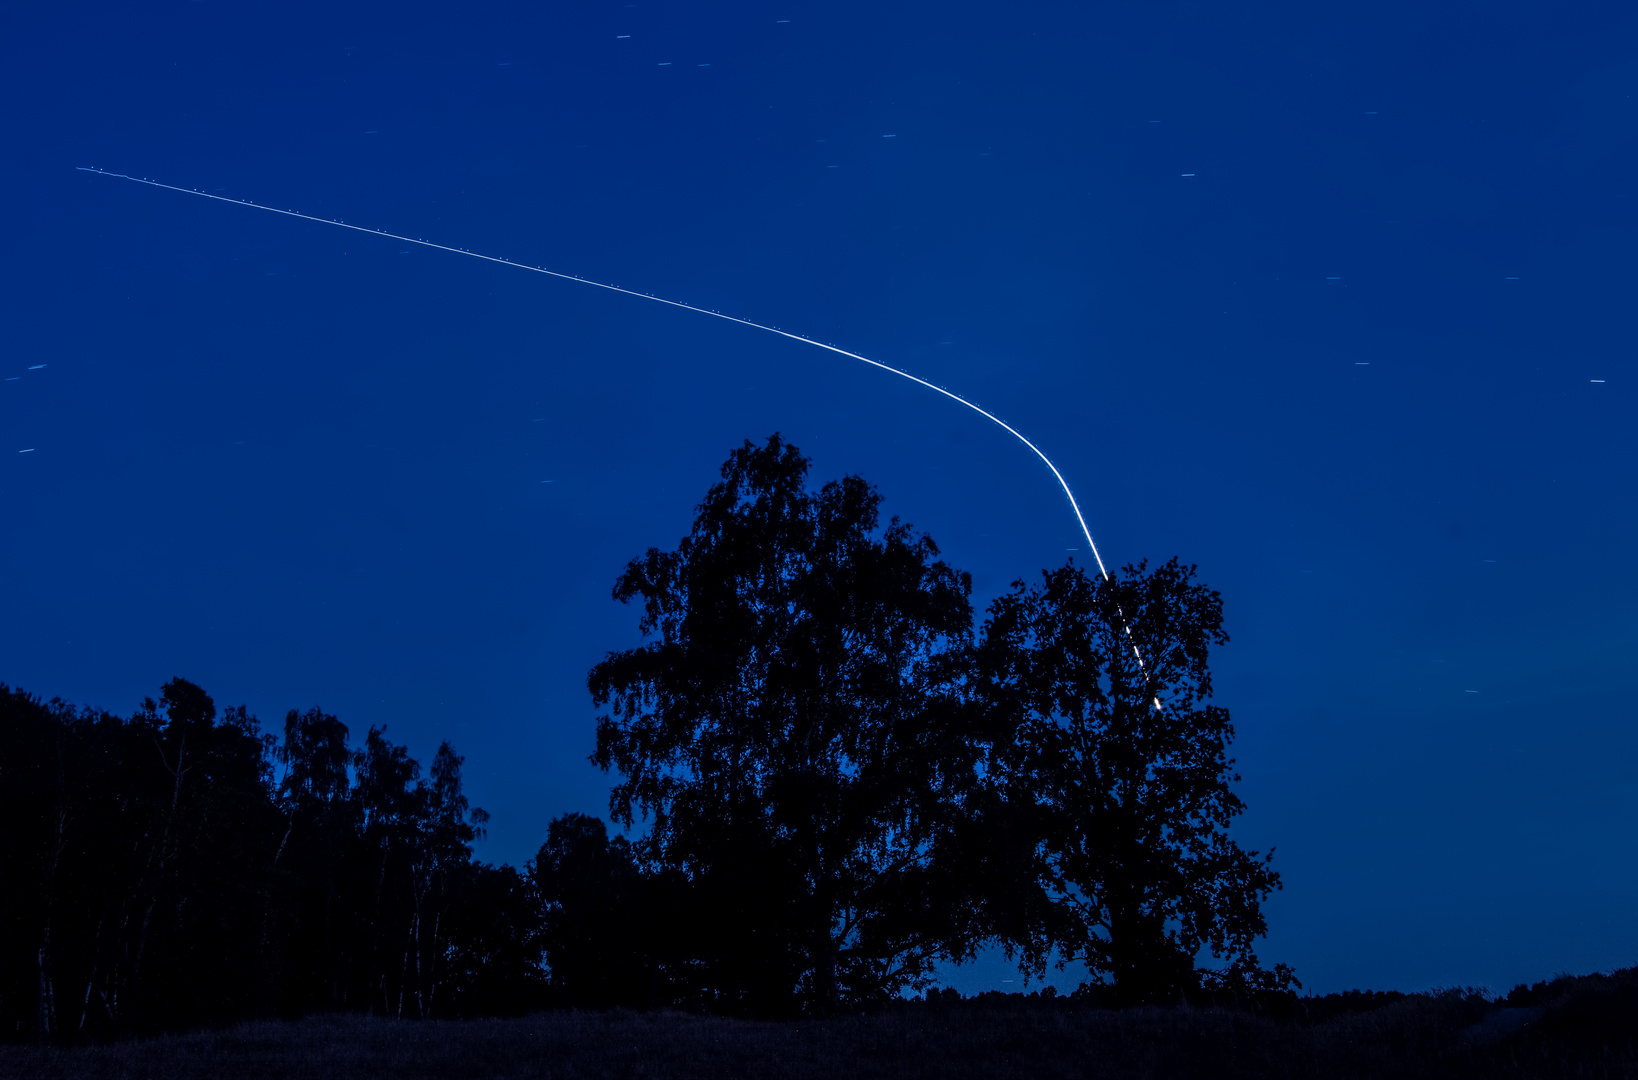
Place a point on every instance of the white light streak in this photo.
(1080, 519)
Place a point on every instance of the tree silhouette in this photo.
(1122, 769)
(596, 916)
(179, 867)
(149, 841)
(313, 861)
(444, 833)
(794, 729)
(841, 788)
(492, 944)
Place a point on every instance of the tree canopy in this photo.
(1122, 765)
(178, 867)
(794, 732)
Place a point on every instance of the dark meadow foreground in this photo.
(1571, 1027)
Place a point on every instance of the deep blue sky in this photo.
(1312, 296)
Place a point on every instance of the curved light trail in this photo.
(991, 417)
(1008, 428)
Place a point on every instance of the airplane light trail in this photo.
(1008, 428)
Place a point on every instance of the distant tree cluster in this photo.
(833, 782)
(179, 867)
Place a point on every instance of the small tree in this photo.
(313, 861)
(593, 915)
(1123, 769)
(793, 731)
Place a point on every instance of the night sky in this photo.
(1334, 301)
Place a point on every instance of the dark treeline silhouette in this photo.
(834, 781)
(178, 867)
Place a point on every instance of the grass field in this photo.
(1583, 1029)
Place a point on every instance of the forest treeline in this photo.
(834, 784)
(179, 867)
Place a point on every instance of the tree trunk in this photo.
(48, 1004)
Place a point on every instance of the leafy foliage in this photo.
(794, 731)
(600, 917)
(1123, 768)
(178, 868)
